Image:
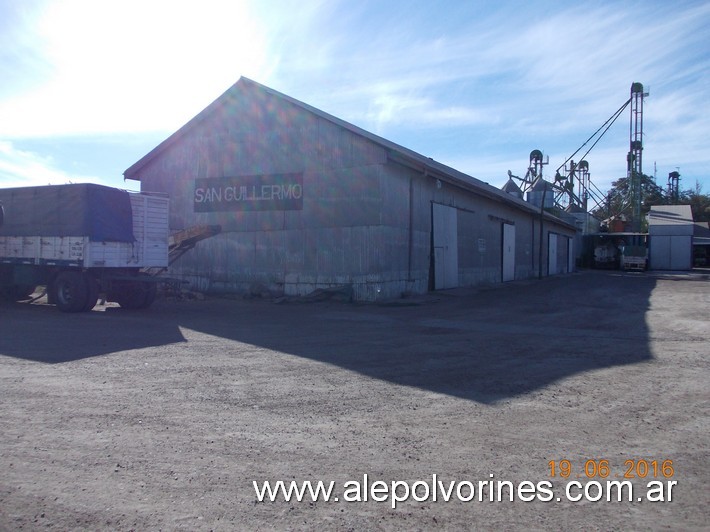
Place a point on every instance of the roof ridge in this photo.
(416, 160)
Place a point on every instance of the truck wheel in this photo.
(24, 291)
(134, 294)
(151, 290)
(17, 292)
(92, 291)
(70, 291)
(125, 294)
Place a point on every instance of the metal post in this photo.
(542, 221)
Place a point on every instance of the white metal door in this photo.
(681, 255)
(446, 253)
(552, 254)
(661, 252)
(508, 252)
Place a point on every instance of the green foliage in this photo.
(699, 203)
(619, 197)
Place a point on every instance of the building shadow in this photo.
(484, 345)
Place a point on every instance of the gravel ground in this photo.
(163, 419)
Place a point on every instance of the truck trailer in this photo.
(80, 241)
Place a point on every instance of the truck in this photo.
(81, 241)
(634, 258)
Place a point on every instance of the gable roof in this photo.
(395, 152)
(511, 187)
(670, 220)
(670, 215)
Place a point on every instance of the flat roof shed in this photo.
(670, 231)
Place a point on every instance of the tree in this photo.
(619, 201)
(699, 203)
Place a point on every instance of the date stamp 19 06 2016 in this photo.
(601, 468)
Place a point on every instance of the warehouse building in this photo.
(306, 201)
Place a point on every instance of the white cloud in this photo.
(134, 65)
(19, 168)
(505, 78)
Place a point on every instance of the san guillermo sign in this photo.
(275, 192)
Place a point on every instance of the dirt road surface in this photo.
(163, 419)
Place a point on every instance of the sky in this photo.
(87, 87)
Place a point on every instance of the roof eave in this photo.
(472, 184)
(133, 171)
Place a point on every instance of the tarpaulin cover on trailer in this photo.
(99, 212)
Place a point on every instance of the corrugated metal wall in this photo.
(365, 221)
(671, 252)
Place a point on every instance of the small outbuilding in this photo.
(306, 200)
(670, 236)
(701, 244)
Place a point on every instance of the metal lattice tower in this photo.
(573, 186)
(635, 156)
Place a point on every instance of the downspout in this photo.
(532, 244)
(411, 228)
(431, 280)
(542, 220)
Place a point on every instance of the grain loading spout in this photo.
(183, 241)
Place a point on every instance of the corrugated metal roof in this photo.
(670, 215)
(396, 153)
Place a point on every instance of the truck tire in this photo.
(70, 291)
(92, 291)
(151, 289)
(134, 294)
(127, 294)
(24, 291)
(17, 292)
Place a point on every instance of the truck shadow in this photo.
(486, 346)
(41, 333)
